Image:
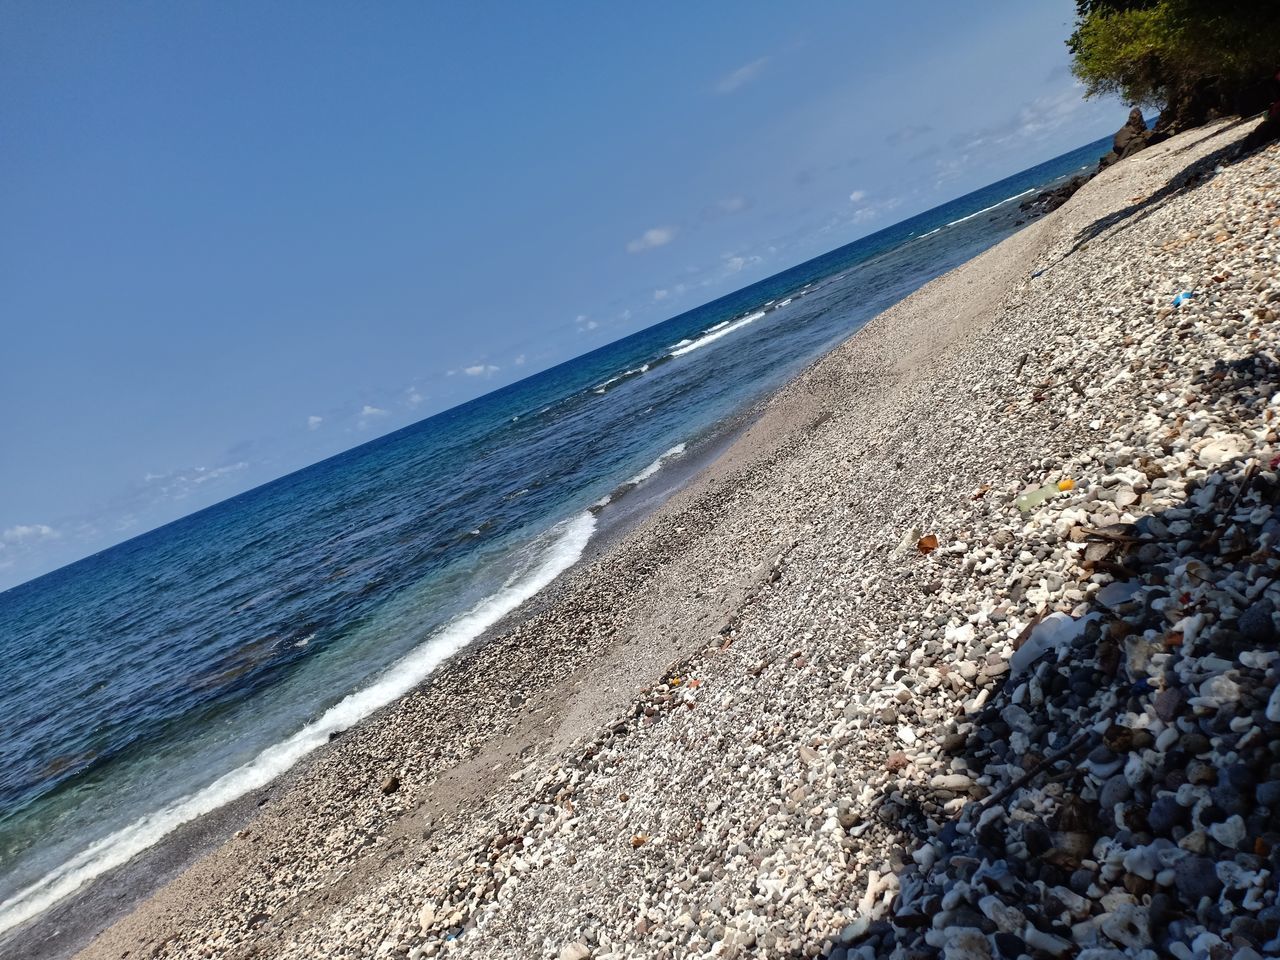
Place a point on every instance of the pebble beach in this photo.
(966, 647)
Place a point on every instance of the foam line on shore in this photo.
(717, 334)
(994, 206)
(651, 469)
(570, 540)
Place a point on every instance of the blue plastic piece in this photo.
(1183, 297)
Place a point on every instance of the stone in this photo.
(1230, 832)
(1257, 624)
(1127, 926)
(965, 943)
(427, 918)
(1196, 877)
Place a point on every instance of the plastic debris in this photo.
(927, 544)
(1066, 484)
(1057, 631)
(1028, 501)
(1183, 297)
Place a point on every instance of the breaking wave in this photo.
(568, 540)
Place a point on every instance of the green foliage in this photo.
(1161, 52)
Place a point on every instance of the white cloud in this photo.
(858, 196)
(733, 204)
(371, 411)
(1034, 122)
(584, 323)
(519, 361)
(480, 370)
(733, 262)
(313, 422)
(30, 531)
(181, 483)
(661, 294)
(874, 211)
(651, 238)
(735, 79)
(412, 397)
(203, 475)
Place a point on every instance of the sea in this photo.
(158, 680)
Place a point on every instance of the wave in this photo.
(689, 346)
(992, 207)
(570, 540)
(651, 469)
(624, 375)
(627, 486)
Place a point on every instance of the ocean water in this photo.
(155, 681)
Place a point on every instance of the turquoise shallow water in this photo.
(155, 681)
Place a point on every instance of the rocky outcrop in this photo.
(1050, 200)
(1131, 138)
(1128, 140)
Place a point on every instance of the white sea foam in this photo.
(990, 208)
(702, 341)
(783, 303)
(651, 469)
(571, 539)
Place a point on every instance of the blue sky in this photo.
(241, 237)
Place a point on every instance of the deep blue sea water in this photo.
(166, 676)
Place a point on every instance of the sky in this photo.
(238, 238)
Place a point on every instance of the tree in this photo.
(1192, 59)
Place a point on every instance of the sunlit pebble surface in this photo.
(869, 760)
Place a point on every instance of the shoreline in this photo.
(636, 605)
(77, 918)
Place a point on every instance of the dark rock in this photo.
(1246, 928)
(1241, 778)
(1196, 877)
(1050, 200)
(1194, 744)
(1037, 838)
(1165, 814)
(1167, 703)
(1129, 139)
(1263, 134)
(1268, 794)
(390, 785)
(1010, 946)
(1161, 912)
(1256, 623)
(1080, 881)
(1269, 917)
(1227, 801)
